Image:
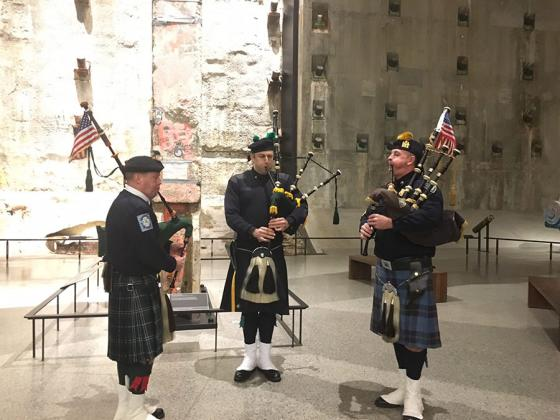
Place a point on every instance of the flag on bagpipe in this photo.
(84, 136)
(446, 135)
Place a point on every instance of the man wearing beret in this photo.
(136, 257)
(257, 281)
(398, 261)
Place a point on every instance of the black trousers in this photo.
(264, 322)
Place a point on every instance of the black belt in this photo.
(404, 263)
(130, 281)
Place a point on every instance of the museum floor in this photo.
(498, 361)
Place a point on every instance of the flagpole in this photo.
(115, 156)
(103, 136)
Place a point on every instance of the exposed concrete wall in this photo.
(176, 116)
(39, 97)
(237, 62)
(201, 92)
(427, 38)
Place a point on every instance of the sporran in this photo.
(260, 282)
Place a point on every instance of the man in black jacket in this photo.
(400, 260)
(257, 281)
(136, 256)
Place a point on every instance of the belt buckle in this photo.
(129, 287)
(386, 264)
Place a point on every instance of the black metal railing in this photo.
(33, 315)
(300, 306)
(80, 239)
(483, 224)
(212, 239)
(305, 239)
(550, 243)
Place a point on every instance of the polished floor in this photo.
(498, 361)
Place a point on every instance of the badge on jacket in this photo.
(145, 222)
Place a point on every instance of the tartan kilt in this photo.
(135, 324)
(418, 322)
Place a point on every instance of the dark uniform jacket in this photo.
(391, 244)
(134, 250)
(133, 245)
(246, 204)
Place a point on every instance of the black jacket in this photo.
(133, 245)
(247, 201)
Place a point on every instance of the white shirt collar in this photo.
(137, 193)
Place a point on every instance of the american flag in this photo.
(446, 135)
(84, 136)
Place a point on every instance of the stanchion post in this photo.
(479, 240)
(33, 338)
(488, 237)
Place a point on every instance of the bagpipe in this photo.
(168, 228)
(393, 204)
(283, 200)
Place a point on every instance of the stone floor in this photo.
(498, 361)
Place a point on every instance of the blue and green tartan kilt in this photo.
(418, 322)
(135, 324)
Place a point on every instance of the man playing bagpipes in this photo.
(135, 252)
(257, 281)
(402, 220)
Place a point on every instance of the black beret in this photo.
(409, 145)
(262, 145)
(142, 164)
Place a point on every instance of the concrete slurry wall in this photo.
(511, 128)
(238, 58)
(40, 191)
(201, 92)
(177, 29)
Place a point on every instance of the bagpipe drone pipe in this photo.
(393, 204)
(284, 200)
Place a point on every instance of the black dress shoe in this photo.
(271, 375)
(410, 418)
(242, 375)
(159, 413)
(381, 403)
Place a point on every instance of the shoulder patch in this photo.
(145, 222)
